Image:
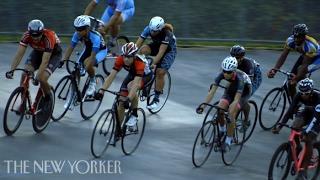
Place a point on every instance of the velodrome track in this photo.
(165, 150)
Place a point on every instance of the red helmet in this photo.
(129, 49)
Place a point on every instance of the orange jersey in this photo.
(136, 69)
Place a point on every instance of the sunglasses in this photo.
(154, 31)
(79, 29)
(227, 72)
(128, 56)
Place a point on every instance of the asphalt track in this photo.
(165, 150)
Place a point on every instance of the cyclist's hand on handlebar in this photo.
(98, 96)
(199, 110)
(61, 64)
(272, 72)
(9, 75)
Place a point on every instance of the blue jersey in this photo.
(119, 5)
(309, 47)
(164, 37)
(94, 40)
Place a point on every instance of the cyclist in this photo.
(45, 56)
(116, 13)
(308, 114)
(94, 52)
(309, 49)
(237, 92)
(139, 73)
(251, 68)
(163, 47)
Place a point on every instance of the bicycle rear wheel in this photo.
(252, 119)
(43, 113)
(203, 144)
(132, 135)
(314, 167)
(102, 133)
(89, 105)
(64, 96)
(272, 108)
(14, 112)
(281, 161)
(229, 156)
(163, 96)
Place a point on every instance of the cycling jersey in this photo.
(252, 69)
(94, 41)
(309, 47)
(49, 42)
(138, 67)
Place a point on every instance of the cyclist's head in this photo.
(229, 65)
(300, 30)
(237, 51)
(129, 49)
(156, 24)
(305, 86)
(81, 23)
(35, 28)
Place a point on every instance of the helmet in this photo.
(156, 23)
(81, 22)
(237, 50)
(129, 49)
(300, 30)
(305, 85)
(229, 64)
(35, 27)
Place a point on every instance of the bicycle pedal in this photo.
(293, 171)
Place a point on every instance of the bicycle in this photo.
(109, 129)
(20, 105)
(288, 153)
(147, 93)
(210, 137)
(68, 94)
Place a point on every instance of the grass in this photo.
(181, 43)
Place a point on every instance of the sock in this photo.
(228, 140)
(222, 128)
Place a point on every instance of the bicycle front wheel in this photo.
(89, 105)
(163, 96)
(132, 135)
(203, 144)
(272, 108)
(314, 166)
(43, 113)
(102, 133)
(14, 112)
(249, 124)
(280, 163)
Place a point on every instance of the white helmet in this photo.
(82, 21)
(156, 23)
(229, 64)
(35, 27)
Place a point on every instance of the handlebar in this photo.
(287, 73)
(112, 92)
(214, 106)
(30, 73)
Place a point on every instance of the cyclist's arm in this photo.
(282, 58)
(45, 61)
(135, 87)
(303, 69)
(68, 52)
(17, 58)
(211, 93)
(162, 50)
(109, 79)
(89, 9)
(140, 42)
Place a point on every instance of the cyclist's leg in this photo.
(123, 92)
(101, 55)
(32, 63)
(315, 65)
(294, 70)
(224, 104)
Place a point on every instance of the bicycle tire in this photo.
(129, 131)
(162, 99)
(86, 115)
(41, 119)
(119, 43)
(317, 170)
(13, 97)
(67, 85)
(249, 131)
(285, 147)
(207, 117)
(100, 124)
(205, 142)
(278, 118)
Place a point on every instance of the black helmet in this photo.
(300, 30)
(237, 50)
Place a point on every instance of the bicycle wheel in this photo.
(211, 115)
(163, 96)
(115, 51)
(230, 155)
(14, 112)
(89, 105)
(280, 163)
(132, 135)
(102, 133)
(203, 144)
(275, 102)
(64, 96)
(43, 113)
(252, 120)
(314, 167)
